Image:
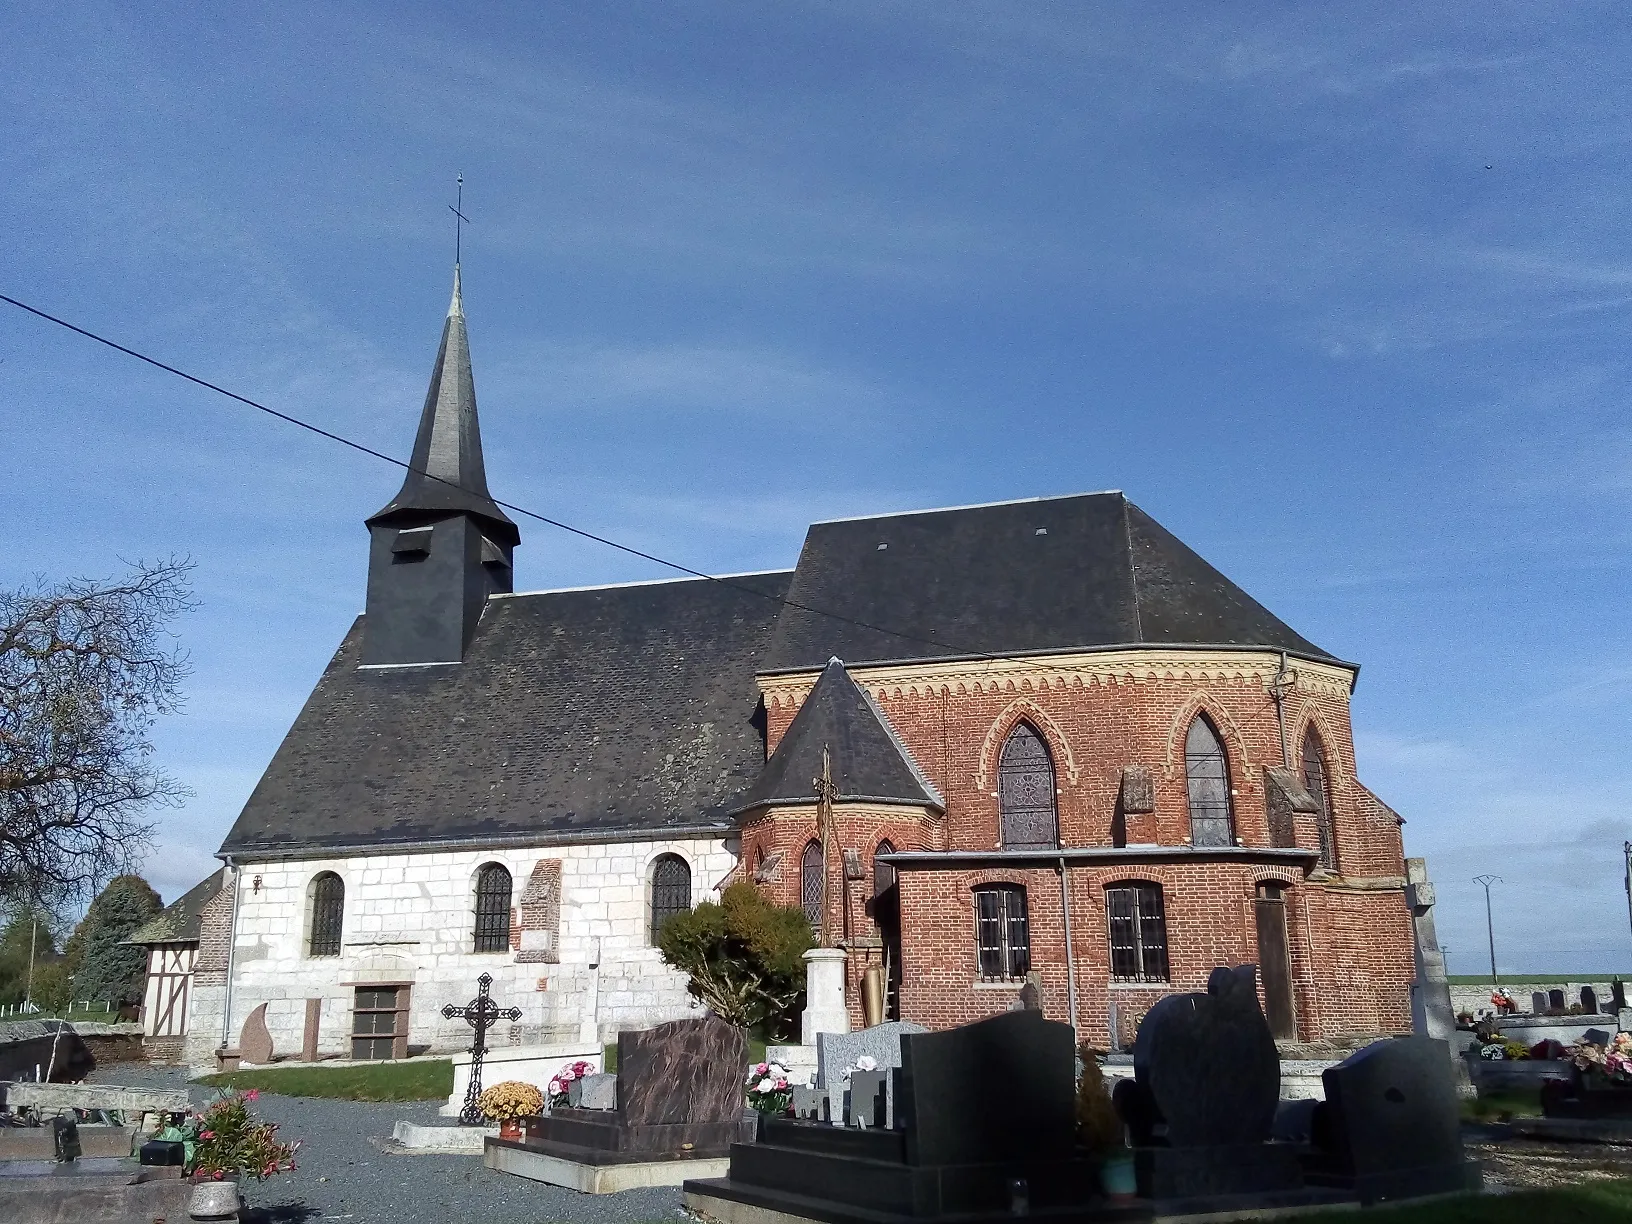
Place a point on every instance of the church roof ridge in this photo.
(1008, 501)
(637, 582)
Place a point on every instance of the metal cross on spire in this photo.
(461, 220)
(480, 1012)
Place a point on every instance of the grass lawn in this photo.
(381, 1081)
(1503, 1106)
(1602, 1202)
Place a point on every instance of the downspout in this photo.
(1070, 959)
(232, 947)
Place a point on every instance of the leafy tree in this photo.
(745, 957)
(102, 964)
(26, 926)
(84, 671)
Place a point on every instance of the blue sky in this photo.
(1338, 294)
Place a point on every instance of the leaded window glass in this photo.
(1002, 932)
(1314, 781)
(1208, 775)
(492, 909)
(328, 911)
(671, 891)
(1028, 819)
(883, 873)
(810, 883)
(1137, 923)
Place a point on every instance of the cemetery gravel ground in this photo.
(341, 1175)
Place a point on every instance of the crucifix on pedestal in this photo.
(826, 792)
(480, 1012)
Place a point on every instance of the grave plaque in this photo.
(1555, 1000)
(1617, 994)
(809, 1104)
(597, 1091)
(836, 1051)
(1538, 1003)
(867, 1099)
(1589, 1000)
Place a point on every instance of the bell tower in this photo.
(441, 546)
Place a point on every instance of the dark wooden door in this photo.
(1274, 964)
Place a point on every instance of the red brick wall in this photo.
(214, 935)
(1350, 935)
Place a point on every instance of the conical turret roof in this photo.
(447, 475)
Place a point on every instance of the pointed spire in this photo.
(448, 475)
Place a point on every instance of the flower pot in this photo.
(509, 1128)
(215, 1200)
(1117, 1177)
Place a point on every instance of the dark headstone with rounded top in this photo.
(1210, 1062)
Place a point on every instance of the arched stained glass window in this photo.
(671, 891)
(492, 909)
(1315, 782)
(1027, 816)
(328, 911)
(810, 883)
(883, 873)
(1207, 772)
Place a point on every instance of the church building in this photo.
(1064, 750)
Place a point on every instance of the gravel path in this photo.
(342, 1176)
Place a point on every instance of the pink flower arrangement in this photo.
(769, 1090)
(1613, 1061)
(561, 1082)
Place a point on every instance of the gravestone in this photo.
(1555, 1000)
(1538, 1003)
(836, 1051)
(255, 1042)
(309, 1032)
(1598, 1036)
(1589, 1000)
(1390, 1126)
(1210, 1062)
(678, 1094)
(985, 1131)
(869, 1099)
(1201, 1106)
(809, 1104)
(1617, 994)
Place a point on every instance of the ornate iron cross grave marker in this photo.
(480, 1012)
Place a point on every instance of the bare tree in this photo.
(85, 669)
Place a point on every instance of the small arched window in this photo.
(1320, 790)
(328, 914)
(1137, 923)
(1027, 816)
(883, 873)
(492, 909)
(671, 891)
(1208, 774)
(1002, 932)
(810, 883)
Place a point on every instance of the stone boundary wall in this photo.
(1476, 998)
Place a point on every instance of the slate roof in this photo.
(576, 714)
(1086, 571)
(447, 471)
(178, 922)
(868, 760)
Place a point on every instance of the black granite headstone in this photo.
(1391, 1126)
(1589, 1000)
(1617, 994)
(1210, 1062)
(867, 1106)
(999, 1089)
(1555, 1000)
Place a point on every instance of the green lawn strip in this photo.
(1502, 1106)
(384, 1081)
(1600, 1202)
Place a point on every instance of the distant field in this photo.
(1535, 979)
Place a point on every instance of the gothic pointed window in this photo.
(810, 883)
(1208, 775)
(492, 909)
(883, 873)
(1315, 782)
(671, 891)
(328, 909)
(1027, 817)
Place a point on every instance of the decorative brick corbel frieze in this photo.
(541, 915)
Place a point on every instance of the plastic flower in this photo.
(254, 1094)
(766, 1085)
(866, 1064)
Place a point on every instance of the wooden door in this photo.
(1274, 962)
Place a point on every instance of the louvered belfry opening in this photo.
(492, 909)
(671, 891)
(328, 914)
(1027, 812)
